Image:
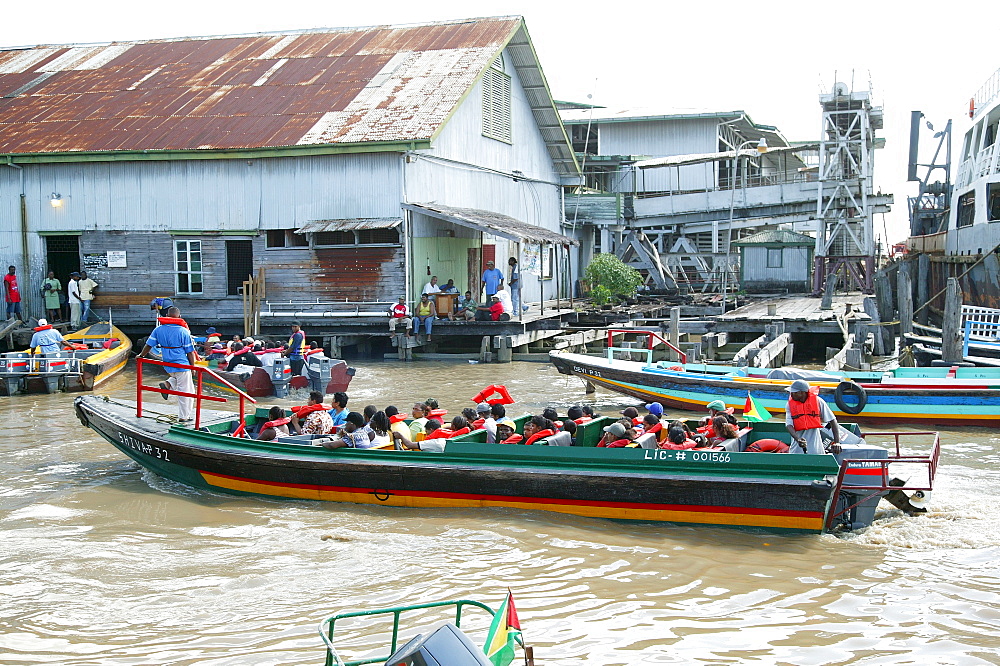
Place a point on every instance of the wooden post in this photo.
(883, 299)
(951, 325)
(923, 282)
(675, 331)
(881, 343)
(828, 290)
(904, 292)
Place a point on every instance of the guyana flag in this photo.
(504, 632)
(753, 411)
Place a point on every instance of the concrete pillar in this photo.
(505, 352)
(485, 355)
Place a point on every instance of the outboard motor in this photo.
(51, 367)
(14, 367)
(860, 474)
(445, 645)
(318, 370)
(281, 373)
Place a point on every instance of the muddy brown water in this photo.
(103, 563)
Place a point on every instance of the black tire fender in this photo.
(850, 388)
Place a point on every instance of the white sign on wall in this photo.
(116, 259)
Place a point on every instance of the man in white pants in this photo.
(174, 338)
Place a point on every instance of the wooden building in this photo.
(776, 260)
(351, 164)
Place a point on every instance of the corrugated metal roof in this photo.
(356, 224)
(777, 237)
(699, 158)
(496, 224)
(307, 88)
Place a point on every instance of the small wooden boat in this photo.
(804, 493)
(103, 352)
(931, 396)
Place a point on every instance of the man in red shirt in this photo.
(491, 313)
(12, 294)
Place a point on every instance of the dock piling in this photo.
(951, 324)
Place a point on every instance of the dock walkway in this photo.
(800, 314)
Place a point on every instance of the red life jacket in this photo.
(637, 421)
(478, 424)
(805, 415)
(582, 420)
(707, 430)
(398, 311)
(305, 410)
(43, 328)
(686, 444)
(277, 422)
(396, 418)
(448, 433)
(768, 446)
(513, 439)
(163, 321)
(655, 428)
(437, 413)
(617, 444)
(541, 434)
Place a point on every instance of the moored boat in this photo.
(805, 493)
(932, 396)
(102, 351)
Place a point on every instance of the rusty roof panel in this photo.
(302, 88)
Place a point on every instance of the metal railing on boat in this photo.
(651, 337)
(198, 395)
(326, 627)
(931, 460)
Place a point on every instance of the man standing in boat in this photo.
(805, 416)
(174, 338)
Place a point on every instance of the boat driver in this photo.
(47, 339)
(805, 416)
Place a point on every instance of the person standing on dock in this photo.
(73, 296)
(515, 286)
(87, 287)
(174, 339)
(805, 416)
(492, 279)
(51, 287)
(12, 294)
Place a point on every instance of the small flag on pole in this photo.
(753, 411)
(504, 632)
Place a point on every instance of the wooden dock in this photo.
(800, 314)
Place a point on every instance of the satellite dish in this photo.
(840, 89)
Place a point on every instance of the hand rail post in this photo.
(138, 387)
(197, 406)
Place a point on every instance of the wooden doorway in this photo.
(475, 271)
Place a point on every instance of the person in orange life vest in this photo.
(588, 411)
(313, 419)
(652, 426)
(296, 345)
(276, 425)
(174, 340)
(632, 414)
(482, 413)
(426, 443)
(615, 437)
(722, 430)
(538, 427)
(470, 415)
(552, 415)
(505, 432)
(805, 416)
(47, 339)
(397, 421)
(677, 440)
(459, 426)
(400, 313)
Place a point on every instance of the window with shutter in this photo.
(496, 103)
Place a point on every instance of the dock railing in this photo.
(930, 460)
(651, 339)
(198, 395)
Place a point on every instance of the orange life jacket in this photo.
(397, 418)
(305, 410)
(43, 328)
(277, 422)
(513, 439)
(541, 434)
(686, 444)
(447, 433)
(805, 415)
(617, 444)
(478, 424)
(163, 321)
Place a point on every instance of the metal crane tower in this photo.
(845, 241)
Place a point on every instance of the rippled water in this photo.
(102, 563)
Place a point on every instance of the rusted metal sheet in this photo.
(359, 224)
(314, 87)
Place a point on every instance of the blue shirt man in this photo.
(174, 340)
(296, 343)
(492, 279)
(339, 412)
(47, 338)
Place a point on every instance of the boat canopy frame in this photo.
(326, 627)
(651, 338)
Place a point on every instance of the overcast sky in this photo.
(771, 59)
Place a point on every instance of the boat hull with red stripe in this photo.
(785, 493)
